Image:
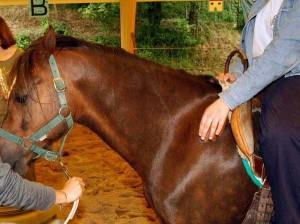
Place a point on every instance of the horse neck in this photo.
(128, 104)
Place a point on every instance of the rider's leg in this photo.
(280, 144)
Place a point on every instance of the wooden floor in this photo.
(114, 193)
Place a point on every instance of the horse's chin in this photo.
(21, 168)
(24, 167)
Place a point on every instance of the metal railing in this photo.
(202, 59)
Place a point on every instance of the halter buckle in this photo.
(59, 84)
(50, 156)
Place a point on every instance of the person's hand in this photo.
(226, 77)
(213, 120)
(71, 191)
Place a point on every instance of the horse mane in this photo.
(43, 47)
(6, 37)
(65, 42)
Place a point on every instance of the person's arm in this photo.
(280, 56)
(21, 193)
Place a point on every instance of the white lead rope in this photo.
(76, 202)
(73, 211)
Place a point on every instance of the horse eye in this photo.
(21, 99)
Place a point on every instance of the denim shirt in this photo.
(280, 58)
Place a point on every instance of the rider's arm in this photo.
(280, 56)
(20, 193)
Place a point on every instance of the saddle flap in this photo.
(242, 129)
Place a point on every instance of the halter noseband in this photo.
(30, 142)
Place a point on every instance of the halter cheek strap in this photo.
(30, 142)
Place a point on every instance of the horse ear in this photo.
(50, 40)
(6, 37)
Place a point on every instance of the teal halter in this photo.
(30, 142)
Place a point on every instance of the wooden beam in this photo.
(127, 19)
(172, 0)
(25, 2)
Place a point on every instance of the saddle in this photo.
(242, 125)
(244, 130)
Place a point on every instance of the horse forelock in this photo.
(23, 70)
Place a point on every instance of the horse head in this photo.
(32, 103)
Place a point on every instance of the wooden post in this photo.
(127, 19)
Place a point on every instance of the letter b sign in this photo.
(38, 7)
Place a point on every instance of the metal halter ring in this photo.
(64, 108)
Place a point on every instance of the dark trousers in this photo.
(280, 145)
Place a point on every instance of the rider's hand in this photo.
(226, 77)
(71, 191)
(213, 120)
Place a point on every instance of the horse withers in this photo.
(147, 113)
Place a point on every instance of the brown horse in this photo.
(148, 113)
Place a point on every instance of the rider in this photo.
(271, 40)
(14, 190)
